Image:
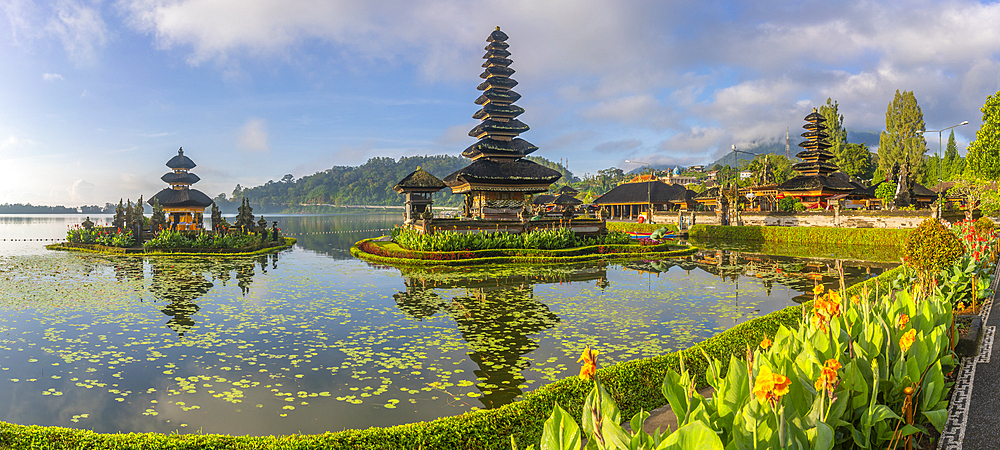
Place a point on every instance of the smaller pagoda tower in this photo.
(814, 186)
(183, 206)
(815, 158)
(419, 188)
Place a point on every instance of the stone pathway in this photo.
(973, 422)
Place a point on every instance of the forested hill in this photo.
(368, 184)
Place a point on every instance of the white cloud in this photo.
(81, 29)
(80, 190)
(253, 136)
(52, 77)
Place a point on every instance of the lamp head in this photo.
(964, 123)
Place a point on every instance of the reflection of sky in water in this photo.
(308, 341)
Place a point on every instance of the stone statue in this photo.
(262, 225)
(87, 224)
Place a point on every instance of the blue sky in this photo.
(98, 95)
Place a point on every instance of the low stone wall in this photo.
(846, 219)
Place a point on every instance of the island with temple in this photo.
(176, 225)
(500, 219)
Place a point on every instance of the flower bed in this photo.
(256, 249)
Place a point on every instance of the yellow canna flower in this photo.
(770, 387)
(589, 360)
(903, 320)
(907, 340)
(855, 299)
(818, 289)
(765, 344)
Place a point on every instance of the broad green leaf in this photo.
(560, 431)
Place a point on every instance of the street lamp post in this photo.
(649, 187)
(940, 162)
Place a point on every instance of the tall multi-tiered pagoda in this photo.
(814, 185)
(183, 206)
(500, 180)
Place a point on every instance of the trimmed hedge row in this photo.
(635, 385)
(892, 237)
(363, 249)
(96, 248)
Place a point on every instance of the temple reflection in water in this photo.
(497, 316)
(179, 282)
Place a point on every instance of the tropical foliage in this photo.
(170, 239)
(864, 372)
(102, 236)
(547, 239)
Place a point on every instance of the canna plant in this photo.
(864, 373)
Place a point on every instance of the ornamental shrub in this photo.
(787, 204)
(984, 226)
(886, 192)
(932, 247)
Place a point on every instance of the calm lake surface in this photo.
(311, 340)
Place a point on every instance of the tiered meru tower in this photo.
(815, 158)
(183, 206)
(500, 180)
(814, 186)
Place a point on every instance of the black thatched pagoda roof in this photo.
(543, 199)
(513, 148)
(812, 183)
(566, 199)
(419, 180)
(646, 191)
(489, 171)
(181, 178)
(567, 189)
(181, 197)
(180, 161)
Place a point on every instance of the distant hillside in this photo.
(869, 138)
(777, 147)
(368, 184)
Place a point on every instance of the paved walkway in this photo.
(973, 419)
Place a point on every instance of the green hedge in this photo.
(635, 385)
(892, 237)
(639, 227)
(97, 248)
(520, 256)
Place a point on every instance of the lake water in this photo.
(311, 340)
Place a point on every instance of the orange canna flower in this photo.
(907, 340)
(855, 299)
(589, 360)
(903, 320)
(832, 364)
(765, 344)
(770, 387)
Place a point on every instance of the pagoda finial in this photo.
(498, 27)
(180, 151)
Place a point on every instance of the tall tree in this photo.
(834, 128)
(952, 159)
(856, 160)
(983, 158)
(900, 145)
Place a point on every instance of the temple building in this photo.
(814, 186)
(500, 181)
(182, 206)
(419, 188)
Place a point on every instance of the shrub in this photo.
(886, 192)
(168, 239)
(799, 207)
(932, 247)
(787, 204)
(984, 226)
